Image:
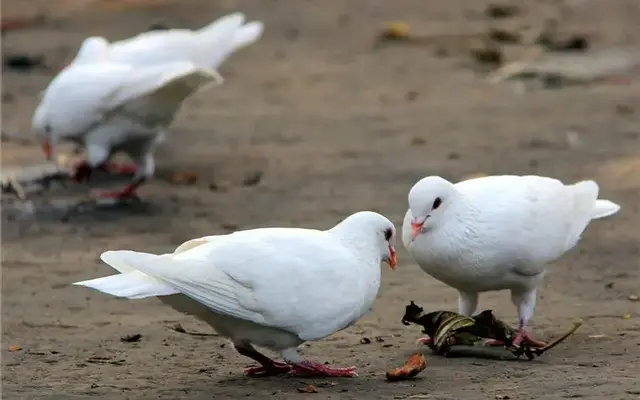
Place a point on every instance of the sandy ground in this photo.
(334, 126)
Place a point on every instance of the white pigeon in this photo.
(108, 107)
(207, 47)
(497, 232)
(271, 287)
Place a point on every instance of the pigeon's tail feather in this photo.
(248, 34)
(130, 283)
(604, 208)
(216, 40)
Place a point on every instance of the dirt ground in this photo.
(333, 125)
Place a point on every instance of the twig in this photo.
(178, 328)
(559, 340)
(104, 360)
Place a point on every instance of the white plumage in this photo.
(122, 96)
(109, 107)
(207, 47)
(272, 287)
(497, 232)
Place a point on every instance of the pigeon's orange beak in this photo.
(46, 149)
(416, 227)
(392, 261)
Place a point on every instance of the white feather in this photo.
(107, 105)
(207, 47)
(302, 282)
(498, 232)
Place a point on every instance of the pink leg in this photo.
(126, 193)
(523, 337)
(267, 367)
(312, 368)
(276, 368)
(494, 342)
(121, 168)
(426, 340)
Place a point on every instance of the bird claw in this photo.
(124, 194)
(426, 340)
(308, 369)
(523, 338)
(494, 342)
(121, 169)
(277, 368)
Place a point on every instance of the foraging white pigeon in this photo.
(207, 47)
(270, 287)
(496, 233)
(109, 107)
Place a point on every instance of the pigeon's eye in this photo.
(436, 203)
(387, 234)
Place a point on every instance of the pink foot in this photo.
(523, 337)
(124, 169)
(277, 368)
(426, 340)
(494, 342)
(309, 368)
(127, 193)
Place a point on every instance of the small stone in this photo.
(453, 156)
(497, 11)
(633, 297)
(253, 179)
(365, 340)
(412, 95)
(131, 338)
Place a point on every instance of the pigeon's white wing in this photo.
(189, 244)
(79, 97)
(84, 95)
(205, 47)
(530, 218)
(307, 289)
(163, 89)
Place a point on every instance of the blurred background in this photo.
(341, 106)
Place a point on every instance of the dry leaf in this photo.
(184, 178)
(14, 347)
(414, 365)
(396, 30)
(308, 389)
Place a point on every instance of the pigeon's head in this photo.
(372, 226)
(428, 202)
